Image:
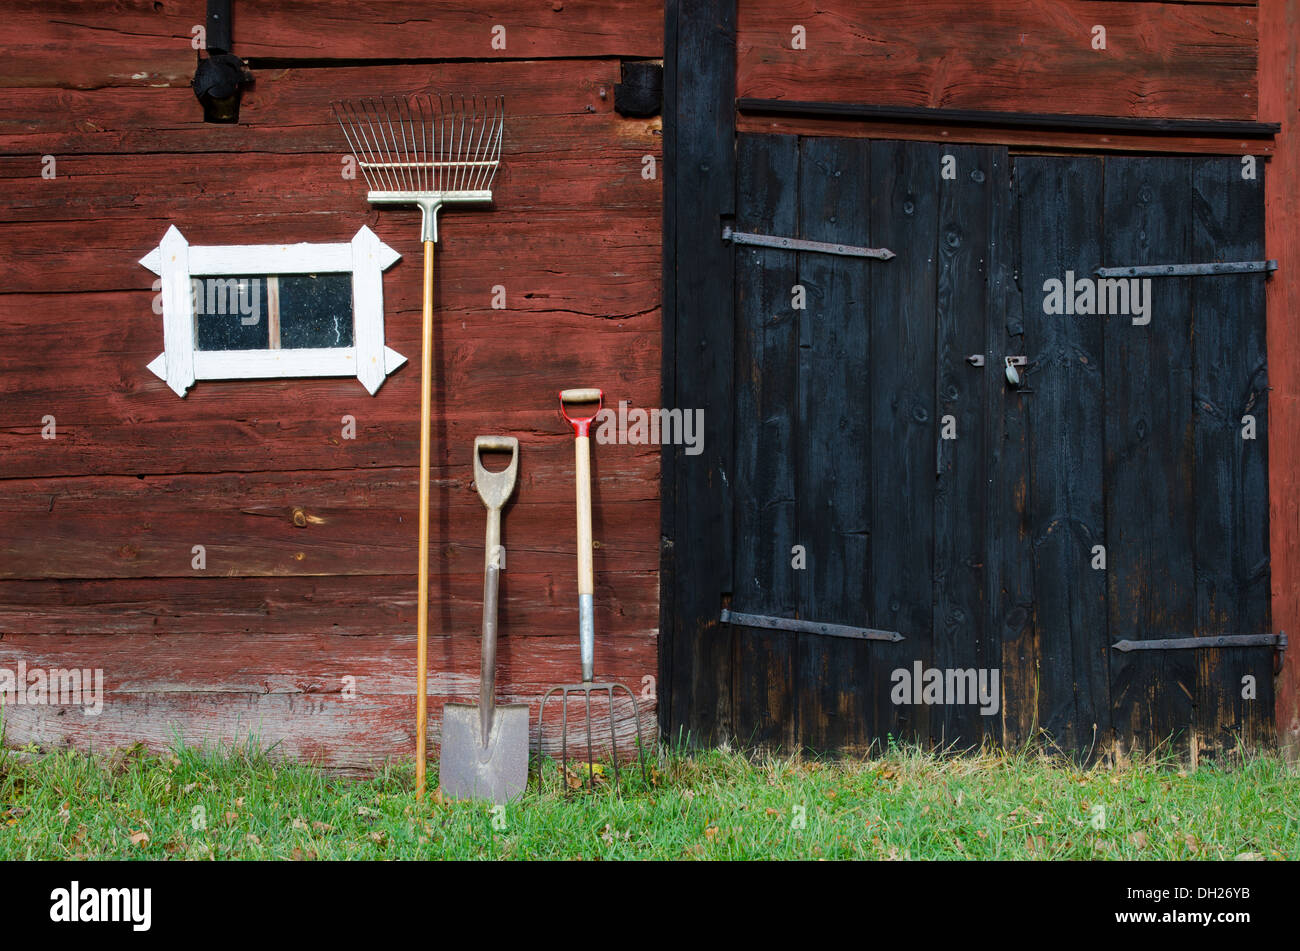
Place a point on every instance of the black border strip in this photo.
(1042, 121)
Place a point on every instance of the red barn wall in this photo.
(310, 538)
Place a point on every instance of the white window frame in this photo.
(176, 261)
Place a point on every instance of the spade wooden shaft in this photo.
(422, 618)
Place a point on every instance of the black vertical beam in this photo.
(699, 188)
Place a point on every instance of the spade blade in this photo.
(497, 772)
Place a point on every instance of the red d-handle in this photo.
(581, 424)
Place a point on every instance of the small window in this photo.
(263, 311)
(272, 311)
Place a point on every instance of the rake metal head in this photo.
(428, 151)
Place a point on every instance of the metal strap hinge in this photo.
(1189, 270)
(807, 627)
(802, 244)
(1275, 641)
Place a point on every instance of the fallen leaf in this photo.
(1248, 857)
(140, 838)
(253, 839)
(1139, 839)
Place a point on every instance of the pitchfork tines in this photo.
(586, 689)
(428, 151)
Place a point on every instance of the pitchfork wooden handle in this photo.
(586, 572)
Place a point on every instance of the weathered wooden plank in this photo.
(1230, 382)
(1012, 635)
(292, 692)
(1165, 60)
(1060, 213)
(960, 525)
(575, 164)
(288, 110)
(1279, 99)
(701, 162)
(767, 443)
(478, 251)
(1022, 139)
(136, 42)
(288, 524)
(904, 216)
(114, 416)
(354, 605)
(1150, 439)
(832, 431)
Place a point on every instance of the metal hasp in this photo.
(802, 244)
(1189, 270)
(808, 627)
(1275, 641)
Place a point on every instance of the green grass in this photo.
(238, 803)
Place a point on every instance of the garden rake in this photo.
(428, 151)
(586, 610)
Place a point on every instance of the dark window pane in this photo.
(230, 312)
(315, 310)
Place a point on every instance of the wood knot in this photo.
(302, 519)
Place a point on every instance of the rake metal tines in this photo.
(585, 690)
(425, 150)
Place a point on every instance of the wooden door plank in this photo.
(962, 309)
(833, 434)
(767, 441)
(1011, 633)
(904, 218)
(1150, 495)
(1231, 477)
(1060, 206)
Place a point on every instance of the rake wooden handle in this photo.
(422, 619)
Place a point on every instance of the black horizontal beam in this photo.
(1043, 121)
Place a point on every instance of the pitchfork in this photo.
(586, 610)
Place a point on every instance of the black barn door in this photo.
(851, 506)
(1146, 438)
(888, 476)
